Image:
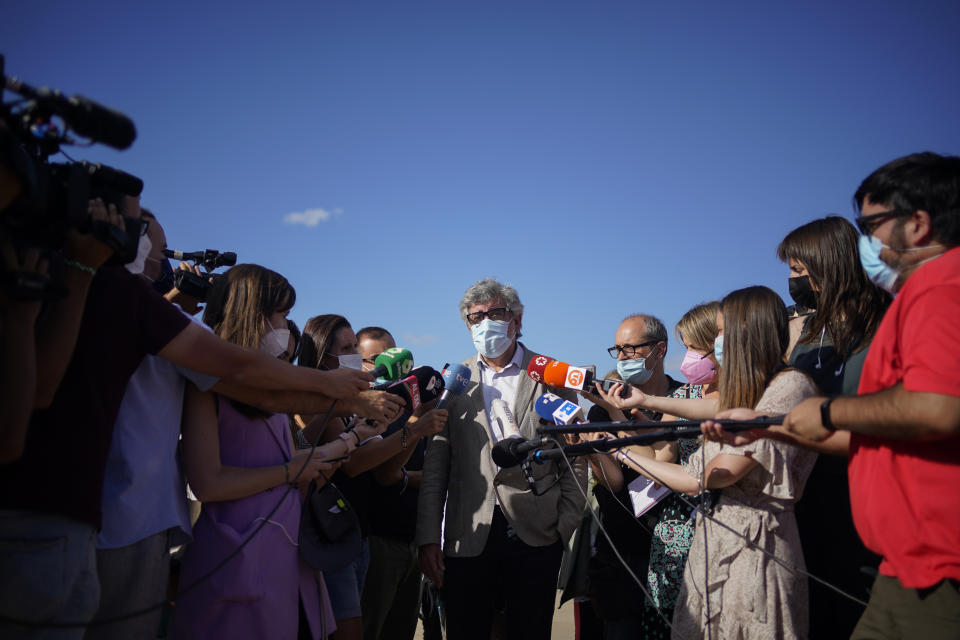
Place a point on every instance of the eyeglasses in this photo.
(867, 224)
(498, 314)
(629, 350)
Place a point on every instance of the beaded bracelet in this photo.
(80, 266)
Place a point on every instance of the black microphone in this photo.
(510, 452)
(430, 381)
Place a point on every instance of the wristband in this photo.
(825, 415)
(80, 266)
(345, 436)
(403, 437)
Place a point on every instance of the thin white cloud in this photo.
(311, 217)
(420, 340)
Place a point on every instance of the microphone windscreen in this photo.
(536, 367)
(100, 123)
(409, 390)
(547, 404)
(504, 452)
(456, 377)
(393, 364)
(555, 375)
(430, 382)
(501, 414)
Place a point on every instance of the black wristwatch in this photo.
(825, 415)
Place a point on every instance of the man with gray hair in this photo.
(503, 539)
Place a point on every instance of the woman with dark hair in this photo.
(735, 590)
(826, 275)
(241, 464)
(329, 343)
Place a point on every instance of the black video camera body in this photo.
(193, 285)
(54, 196)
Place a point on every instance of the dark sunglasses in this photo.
(499, 314)
(866, 224)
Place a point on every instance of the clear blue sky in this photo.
(604, 158)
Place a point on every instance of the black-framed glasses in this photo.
(629, 350)
(499, 314)
(866, 224)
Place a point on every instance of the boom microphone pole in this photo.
(600, 446)
(729, 424)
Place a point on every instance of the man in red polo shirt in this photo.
(903, 428)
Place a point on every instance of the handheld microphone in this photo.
(510, 452)
(555, 409)
(392, 364)
(555, 373)
(503, 417)
(456, 378)
(430, 382)
(409, 390)
(546, 404)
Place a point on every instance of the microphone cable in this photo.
(140, 612)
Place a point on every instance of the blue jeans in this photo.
(345, 585)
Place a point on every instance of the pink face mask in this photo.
(697, 369)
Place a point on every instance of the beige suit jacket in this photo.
(458, 470)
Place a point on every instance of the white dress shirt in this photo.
(500, 384)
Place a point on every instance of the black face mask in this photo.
(801, 292)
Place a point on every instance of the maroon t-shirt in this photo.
(61, 471)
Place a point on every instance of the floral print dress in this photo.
(670, 543)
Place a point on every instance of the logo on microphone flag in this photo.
(576, 377)
(566, 413)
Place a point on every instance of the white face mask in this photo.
(143, 250)
(351, 361)
(275, 342)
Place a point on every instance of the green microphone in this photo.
(393, 364)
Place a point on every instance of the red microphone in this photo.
(536, 367)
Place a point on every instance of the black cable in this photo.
(198, 581)
(613, 547)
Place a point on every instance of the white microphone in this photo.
(502, 417)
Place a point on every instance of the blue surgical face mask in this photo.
(634, 371)
(718, 349)
(879, 272)
(491, 337)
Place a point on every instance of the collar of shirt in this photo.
(500, 384)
